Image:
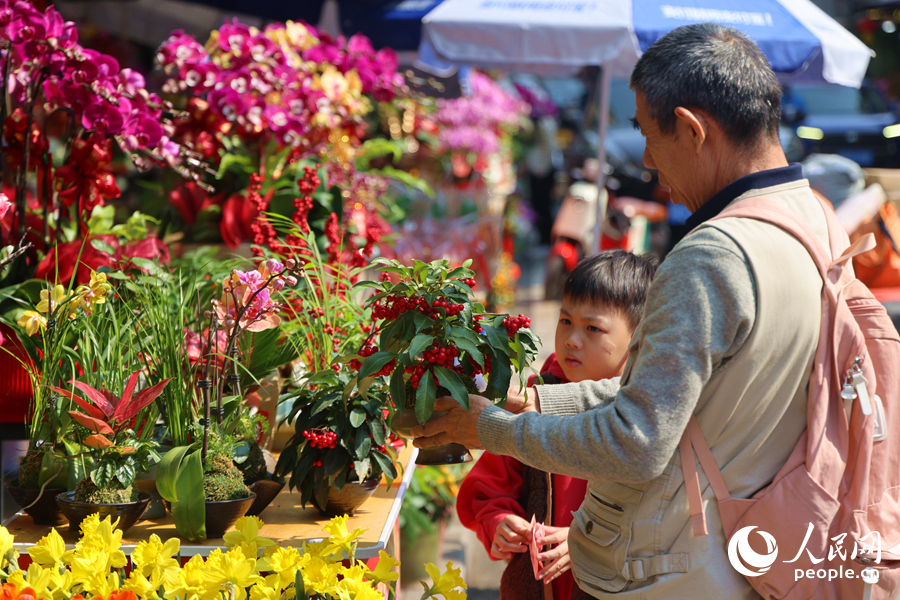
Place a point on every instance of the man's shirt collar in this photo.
(754, 181)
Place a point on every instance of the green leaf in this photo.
(362, 444)
(179, 479)
(450, 380)
(398, 389)
(385, 464)
(238, 163)
(456, 333)
(102, 475)
(420, 321)
(357, 417)
(335, 459)
(241, 452)
(425, 396)
(125, 474)
(375, 363)
(299, 587)
(471, 349)
(498, 381)
(419, 343)
(378, 432)
(102, 246)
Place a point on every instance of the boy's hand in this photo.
(558, 557)
(511, 537)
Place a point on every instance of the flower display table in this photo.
(286, 522)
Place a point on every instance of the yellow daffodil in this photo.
(384, 569)
(189, 582)
(32, 322)
(152, 555)
(100, 543)
(284, 562)
(231, 570)
(246, 535)
(50, 299)
(339, 536)
(37, 578)
(49, 551)
(321, 549)
(262, 591)
(319, 576)
(143, 586)
(8, 555)
(102, 583)
(445, 584)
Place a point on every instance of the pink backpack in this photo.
(834, 507)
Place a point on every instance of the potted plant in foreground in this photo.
(341, 448)
(117, 451)
(432, 340)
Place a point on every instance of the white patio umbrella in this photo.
(559, 36)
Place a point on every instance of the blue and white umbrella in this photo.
(545, 36)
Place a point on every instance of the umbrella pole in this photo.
(603, 120)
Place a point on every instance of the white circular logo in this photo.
(740, 553)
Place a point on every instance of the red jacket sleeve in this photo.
(489, 493)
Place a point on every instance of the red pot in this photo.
(15, 393)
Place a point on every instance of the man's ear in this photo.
(694, 123)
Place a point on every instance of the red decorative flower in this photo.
(86, 177)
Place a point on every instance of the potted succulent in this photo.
(341, 447)
(432, 340)
(106, 423)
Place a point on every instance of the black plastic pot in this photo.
(127, 512)
(41, 507)
(266, 490)
(351, 497)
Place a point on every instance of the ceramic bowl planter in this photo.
(266, 490)
(446, 454)
(222, 514)
(351, 497)
(127, 512)
(41, 507)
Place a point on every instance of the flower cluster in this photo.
(475, 123)
(287, 82)
(246, 303)
(250, 567)
(45, 66)
(84, 297)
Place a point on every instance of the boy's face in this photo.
(591, 340)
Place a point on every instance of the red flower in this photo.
(86, 177)
(9, 592)
(149, 248)
(59, 264)
(189, 199)
(238, 214)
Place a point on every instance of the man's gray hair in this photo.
(716, 69)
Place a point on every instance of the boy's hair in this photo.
(613, 278)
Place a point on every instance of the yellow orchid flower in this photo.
(384, 569)
(7, 551)
(284, 563)
(49, 551)
(96, 291)
(445, 584)
(152, 555)
(50, 299)
(246, 535)
(339, 536)
(32, 322)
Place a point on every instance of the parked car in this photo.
(855, 123)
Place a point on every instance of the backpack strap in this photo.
(775, 213)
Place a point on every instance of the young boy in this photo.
(603, 301)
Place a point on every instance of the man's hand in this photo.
(511, 537)
(558, 557)
(517, 403)
(458, 425)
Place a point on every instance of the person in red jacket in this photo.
(603, 301)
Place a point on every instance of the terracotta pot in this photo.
(42, 508)
(266, 490)
(351, 497)
(446, 454)
(127, 512)
(222, 514)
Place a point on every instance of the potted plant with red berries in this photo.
(431, 340)
(341, 447)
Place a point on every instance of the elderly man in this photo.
(728, 335)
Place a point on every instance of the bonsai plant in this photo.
(432, 340)
(341, 448)
(106, 426)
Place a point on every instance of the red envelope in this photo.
(537, 542)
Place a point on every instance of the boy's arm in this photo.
(488, 494)
(700, 310)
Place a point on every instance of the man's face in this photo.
(674, 156)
